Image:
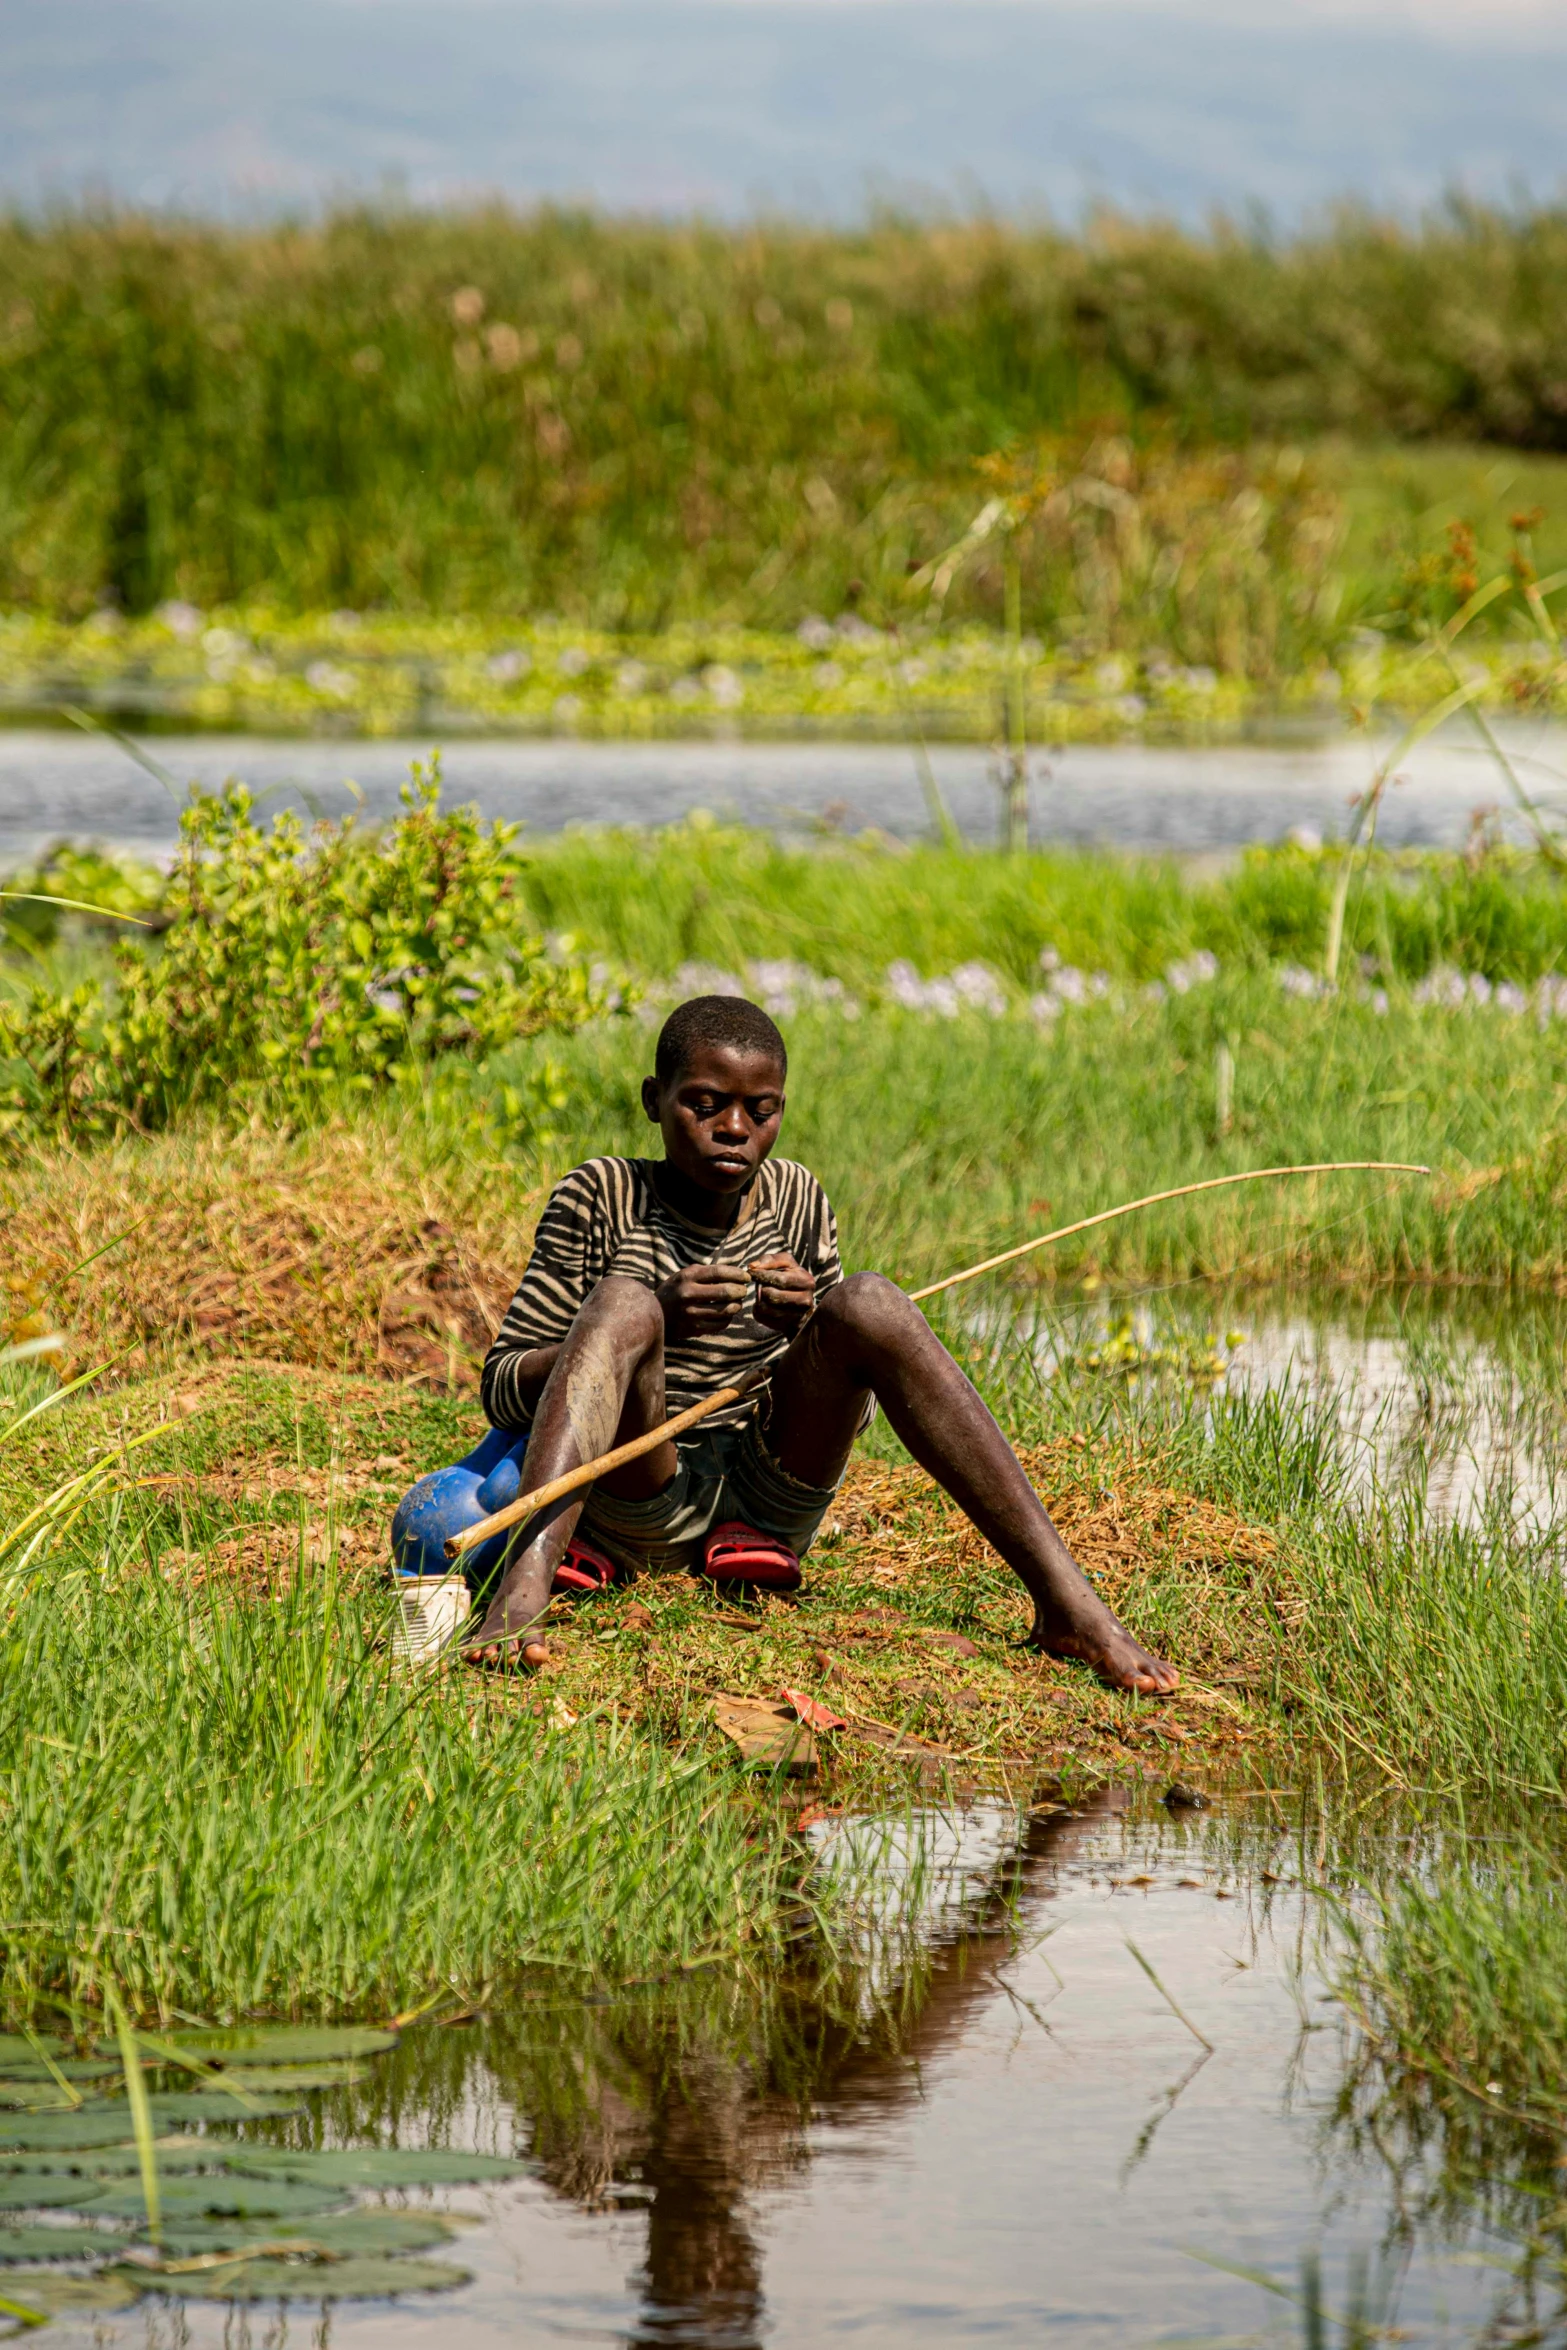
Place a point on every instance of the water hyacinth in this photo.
(1454, 991)
(972, 987)
(780, 985)
(783, 986)
(1443, 989)
(1192, 971)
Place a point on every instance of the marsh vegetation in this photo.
(275, 1271)
(551, 472)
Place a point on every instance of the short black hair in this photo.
(714, 1019)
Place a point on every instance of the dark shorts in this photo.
(724, 1473)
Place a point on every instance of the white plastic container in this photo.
(434, 1609)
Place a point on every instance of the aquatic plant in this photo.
(1457, 1970)
(248, 667)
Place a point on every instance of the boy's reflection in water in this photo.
(699, 2133)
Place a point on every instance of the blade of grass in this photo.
(1169, 2001)
(141, 2109)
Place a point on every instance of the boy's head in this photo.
(717, 1089)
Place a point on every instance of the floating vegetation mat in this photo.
(237, 2221)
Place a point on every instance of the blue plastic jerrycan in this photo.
(447, 1500)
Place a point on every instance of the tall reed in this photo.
(633, 421)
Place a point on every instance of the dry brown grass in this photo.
(338, 1250)
(912, 1628)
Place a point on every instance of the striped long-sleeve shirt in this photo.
(607, 1217)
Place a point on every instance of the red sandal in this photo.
(583, 1569)
(736, 1553)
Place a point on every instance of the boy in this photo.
(652, 1282)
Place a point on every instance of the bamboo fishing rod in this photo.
(528, 1505)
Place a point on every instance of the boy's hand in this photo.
(700, 1298)
(785, 1292)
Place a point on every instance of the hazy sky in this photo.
(731, 105)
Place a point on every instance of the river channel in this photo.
(57, 783)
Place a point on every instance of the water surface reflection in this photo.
(1013, 2143)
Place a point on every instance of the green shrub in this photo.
(294, 965)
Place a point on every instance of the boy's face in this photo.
(720, 1117)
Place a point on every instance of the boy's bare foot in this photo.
(515, 1607)
(1109, 1651)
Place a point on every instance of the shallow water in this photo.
(1192, 799)
(1032, 2144)
(1460, 1398)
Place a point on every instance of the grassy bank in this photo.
(397, 1838)
(211, 1612)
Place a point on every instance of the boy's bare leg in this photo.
(866, 1334)
(607, 1386)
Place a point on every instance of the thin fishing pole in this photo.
(1154, 1199)
(528, 1505)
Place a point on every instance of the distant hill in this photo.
(731, 105)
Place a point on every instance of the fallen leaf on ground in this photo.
(765, 1733)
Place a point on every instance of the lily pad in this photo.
(69, 2068)
(17, 2049)
(36, 2097)
(119, 2162)
(47, 2133)
(27, 2191)
(281, 2043)
(346, 2232)
(41, 2243)
(378, 2166)
(46, 2293)
(216, 2105)
(238, 2198)
(288, 2280)
(279, 2077)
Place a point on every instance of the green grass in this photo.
(634, 423)
(941, 1143)
(730, 896)
(220, 1794)
(1459, 1969)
